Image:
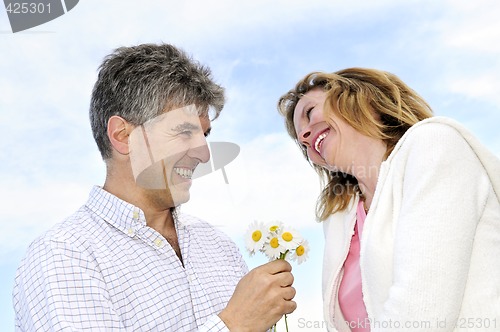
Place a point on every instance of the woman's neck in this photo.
(367, 167)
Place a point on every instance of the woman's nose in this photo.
(304, 136)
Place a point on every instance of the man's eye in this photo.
(187, 133)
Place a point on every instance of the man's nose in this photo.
(199, 149)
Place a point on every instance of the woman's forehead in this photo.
(314, 96)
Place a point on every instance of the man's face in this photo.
(165, 151)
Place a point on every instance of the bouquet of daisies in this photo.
(276, 241)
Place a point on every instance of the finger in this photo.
(289, 293)
(284, 279)
(290, 307)
(277, 266)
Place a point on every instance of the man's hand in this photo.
(261, 298)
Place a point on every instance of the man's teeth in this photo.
(184, 172)
(319, 140)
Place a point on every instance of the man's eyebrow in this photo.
(186, 126)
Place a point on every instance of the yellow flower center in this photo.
(257, 235)
(300, 250)
(274, 243)
(287, 236)
(273, 228)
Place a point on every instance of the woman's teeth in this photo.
(184, 172)
(319, 140)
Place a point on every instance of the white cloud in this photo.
(466, 36)
(31, 209)
(472, 26)
(482, 86)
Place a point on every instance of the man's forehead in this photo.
(188, 114)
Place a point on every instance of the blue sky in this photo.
(448, 51)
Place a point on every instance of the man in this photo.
(127, 259)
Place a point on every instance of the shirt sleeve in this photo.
(58, 288)
(444, 191)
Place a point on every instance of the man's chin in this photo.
(180, 193)
(179, 199)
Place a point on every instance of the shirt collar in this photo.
(115, 211)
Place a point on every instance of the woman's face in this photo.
(330, 145)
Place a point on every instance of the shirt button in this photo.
(158, 242)
(136, 215)
(130, 231)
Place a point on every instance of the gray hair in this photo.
(139, 83)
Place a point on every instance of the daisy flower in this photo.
(274, 226)
(255, 237)
(301, 252)
(289, 238)
(273, 247)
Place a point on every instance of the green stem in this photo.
(283, 256)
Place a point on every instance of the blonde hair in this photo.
(376, 103)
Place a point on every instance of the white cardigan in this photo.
(430, 251)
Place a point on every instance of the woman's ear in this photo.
(118, 134)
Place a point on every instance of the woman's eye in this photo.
(308, 113)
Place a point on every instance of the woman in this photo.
(410, 206)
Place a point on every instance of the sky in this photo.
(447, 51)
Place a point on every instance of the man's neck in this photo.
(163, 223)
(158, 216)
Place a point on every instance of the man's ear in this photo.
(118, 132)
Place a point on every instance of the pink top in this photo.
(350, 293)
